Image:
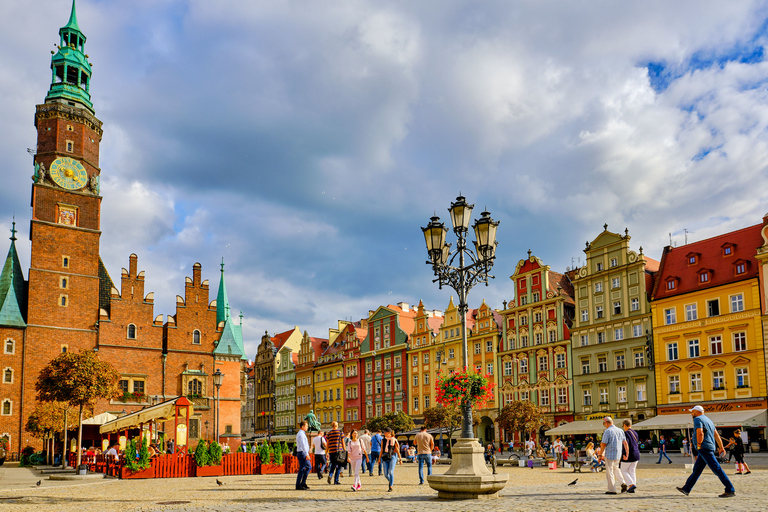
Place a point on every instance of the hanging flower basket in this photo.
(464, 388)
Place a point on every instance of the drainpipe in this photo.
(165, 357)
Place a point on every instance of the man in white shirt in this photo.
(302, 453)
(529, 447)
(318, 447)
(365, 440)
(112, 454)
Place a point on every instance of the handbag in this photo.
(341, 457)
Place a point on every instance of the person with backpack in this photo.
(390, 449)
(334, 441)
(318, 448)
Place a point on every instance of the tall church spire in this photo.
(71, 71)
(13, 289)
(222, 301)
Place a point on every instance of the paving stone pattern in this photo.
(538, 489)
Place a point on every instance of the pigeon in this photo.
(574, 482)
(38, 483)
(219, 482)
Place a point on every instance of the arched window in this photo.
(6, 409)
(8, 376)
(9, 346)
(195, 387)
(196, 337)
(131, 332)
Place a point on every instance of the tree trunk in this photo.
(80, 438)
(64, 451)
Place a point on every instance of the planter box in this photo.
(126, 473)
(271, 469)
(209, 470)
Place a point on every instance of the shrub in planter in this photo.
(215, 453)
(265, 453)
(137, 459)
(278, 451)
(202, 457)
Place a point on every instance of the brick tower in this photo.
(64, 268)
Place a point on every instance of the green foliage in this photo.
(448, 417)
(265, 453)
(78, 378)
(278, 451)
(286, 450)
(26, 453)
(521, 416)
(4, 443)
(215, 453)
(46, 419)
(654, 441)
(134, 463)
(201, 453)
(397, 421)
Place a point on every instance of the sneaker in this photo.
(748, 472)
(682, 490)
(670, 462)
(609, 492)
(354, 488)
(329, 479)
(727, 495)
(623, 487)
(631, 490)
(739, 473)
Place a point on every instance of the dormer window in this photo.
(671, 284)
(693, 258)
(728, 249)
(740, 267)
(705, 276)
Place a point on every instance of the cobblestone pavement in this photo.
(538, 489)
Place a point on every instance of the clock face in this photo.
(68, 173)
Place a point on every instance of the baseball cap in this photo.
(696, 408)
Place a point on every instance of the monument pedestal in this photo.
(468, 478)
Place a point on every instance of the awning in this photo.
(165, 411)
(753, 419)
(100, 419)
(581, 427)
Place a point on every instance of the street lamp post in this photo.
(218, 377)
(468, 476)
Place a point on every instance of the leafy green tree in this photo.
(201, 453)
(397, 421)
(78, 378)
(45, 421)
(521, 416)
(215, 454)
(448, 417)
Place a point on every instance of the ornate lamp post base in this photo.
(468, 478)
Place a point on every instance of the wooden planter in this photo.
(126, 473)
(271, 469)
(209, 470)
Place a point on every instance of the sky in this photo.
(307, 142)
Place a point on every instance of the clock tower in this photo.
(64, 270)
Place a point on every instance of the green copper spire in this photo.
(13, 289)
(71, 71)
(222, 301)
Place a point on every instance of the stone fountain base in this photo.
(468, 478)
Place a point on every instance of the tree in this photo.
(521, 416)
(397, 421)
(448, 417)
(78, 379)
(45, 421)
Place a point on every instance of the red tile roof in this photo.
(675, 263)
(279, 339)
(317, 346)
(407, 319)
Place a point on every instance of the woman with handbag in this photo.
(356, 452)
(389, 450)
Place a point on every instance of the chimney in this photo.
(404, 306)
(437, 313)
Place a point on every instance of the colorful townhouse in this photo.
(536, 359)
(329, 384)
(483, 344)
(285, 391)
(382, 354)
(708, 339)
(310, 350)
(613, 318)
(352, 336)
(266, 370)
(426, 358)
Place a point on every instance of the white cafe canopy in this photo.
(100, 419)
(752, 419)
(581, 427)
(165, 411)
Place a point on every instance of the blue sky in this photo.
(307, 142)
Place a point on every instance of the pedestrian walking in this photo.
(686, 448)
(376, 441)
(318, 448)
(334, 442)
(558, 448)
(390, 448)
(611, 445)
(357, 453)
(302, 453)
(708, 443)
(663, 450)
(738, 453)
(425, 444)
(365, 438)
(630, 457)
(530, 446)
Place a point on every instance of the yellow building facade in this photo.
(422, 360)
(483, 344)
(329, 385)
(708, 346)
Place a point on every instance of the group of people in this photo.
(336, 451)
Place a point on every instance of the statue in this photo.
(39, 176)
(94, 184)
(314, 425)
